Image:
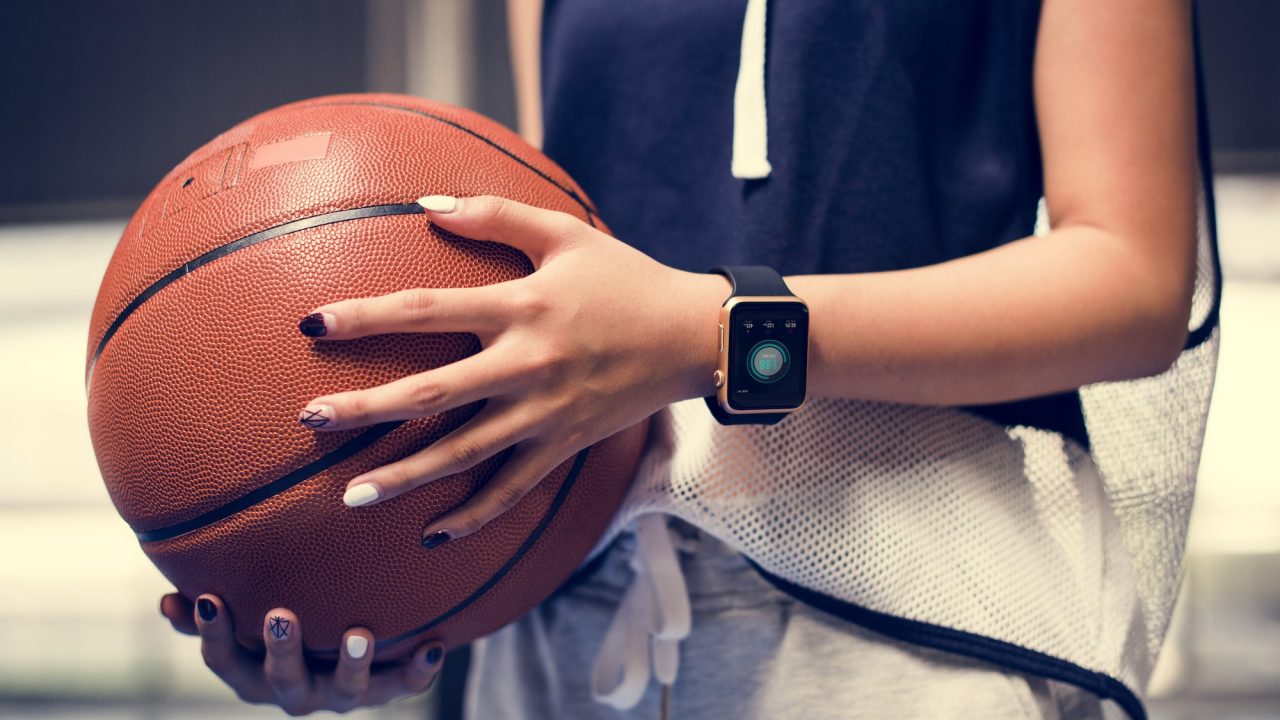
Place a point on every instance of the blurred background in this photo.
(101, 99)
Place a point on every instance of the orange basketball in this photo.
(196, 372)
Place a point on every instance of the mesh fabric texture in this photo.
(939, 516)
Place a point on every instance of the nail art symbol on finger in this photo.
(279, 627)
(316, 416)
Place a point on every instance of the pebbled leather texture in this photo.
(193, 399)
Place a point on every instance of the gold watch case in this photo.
(722, 367)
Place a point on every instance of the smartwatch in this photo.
(764, 349)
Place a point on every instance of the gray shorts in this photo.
(753, 652)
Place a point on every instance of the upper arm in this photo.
(1115, 105)
(524, 30)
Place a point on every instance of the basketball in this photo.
(196, 370)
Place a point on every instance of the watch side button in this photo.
(721, 336)
(718, 377)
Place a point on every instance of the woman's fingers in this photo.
(449, 386)
(223, 655)
(285, 669)
(350, 679)
(421, 670)
(179, 611)
(526, 467)
(409, 678)
(284, 679)
(537, 232)
(490, 431)
(481, 310)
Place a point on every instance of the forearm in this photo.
(1036, 316)
(1032, 317)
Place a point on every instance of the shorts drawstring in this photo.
(652, 618)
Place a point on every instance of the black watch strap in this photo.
(748, 280)
(753, 280)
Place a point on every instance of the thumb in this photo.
(537, 232)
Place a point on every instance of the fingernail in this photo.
(361, 494)
(316, 324)
(439, 203)
(357, 645)
(434, 654)
(208, 611)
(279, 627)
(436, 539)
(316, 416)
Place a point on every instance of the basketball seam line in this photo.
(270, 233)
(586, 206)
(245, 241)
(342, 453)
(561, 495)
(314, 221)
(370, 436)
(275, 487)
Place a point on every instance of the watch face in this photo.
(768, 355)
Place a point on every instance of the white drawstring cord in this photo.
(650, 622)
(654, 614)
(750, 128)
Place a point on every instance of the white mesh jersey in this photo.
(1011, 544)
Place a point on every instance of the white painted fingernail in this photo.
(439, 203)
(357, 645)
(361, 494)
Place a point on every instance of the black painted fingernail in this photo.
(279, 627)
(436, 539)
(433, 655)
(208, 611)
(313, 325)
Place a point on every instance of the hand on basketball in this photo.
(597, 338)
(282, 677)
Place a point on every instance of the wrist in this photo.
(698, 335)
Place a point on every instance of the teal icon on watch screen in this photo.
(768, 349)
(767, 361)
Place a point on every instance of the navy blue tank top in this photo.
(901, 133)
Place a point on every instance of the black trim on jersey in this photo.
(939, 637)
(1202, 333)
